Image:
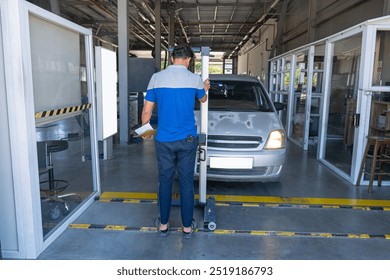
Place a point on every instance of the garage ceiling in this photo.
(223, 25)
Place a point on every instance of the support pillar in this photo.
(157, 40)
(171, 35)
(311, 28)
(123, 53)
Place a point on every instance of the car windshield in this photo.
(237, 96)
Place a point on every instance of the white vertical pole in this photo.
(324, 109)
(92, 113)
(290, 102)
(204, 110)
(22, 238)
(364, 98)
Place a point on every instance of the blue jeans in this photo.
(178, 155)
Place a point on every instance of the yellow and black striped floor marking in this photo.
(261, 201)
(230, 232)
(62, 111)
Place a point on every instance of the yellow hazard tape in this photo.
(224, 231)
(361, 208)
(148, 229)
(259, 232)
(115, 227)
(331, 206)
(62, 111)
(128, 195)
(321, 234)
(358, 235)
(222, 204)
(285, 233)
(80, 226)
(131, 200)
(250, 205)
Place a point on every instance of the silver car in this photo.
(246, 140)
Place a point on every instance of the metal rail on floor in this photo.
(249, 201)
(230, 232)
(276, 201)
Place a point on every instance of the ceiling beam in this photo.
(81, 3)
(106, 21)
(194, 5)
(218, 23)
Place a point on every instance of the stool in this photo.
(380, 146)
(53, 186)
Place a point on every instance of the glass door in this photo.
(344, 79)
(64, 121)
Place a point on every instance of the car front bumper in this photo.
(267, 166)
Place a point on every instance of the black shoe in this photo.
(162, 233)
(189, 235)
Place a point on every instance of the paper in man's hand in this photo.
(145, 130)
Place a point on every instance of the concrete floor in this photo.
(243, 231)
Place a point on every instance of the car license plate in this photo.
(231, 163)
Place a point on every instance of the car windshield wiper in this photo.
(264, 109)
(221, 109)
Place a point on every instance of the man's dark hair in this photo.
(182, 51)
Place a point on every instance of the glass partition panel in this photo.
(318, 70)
(286, 74)
(273, 76)
(300, 90)
(62, 120)
(316, 94)
(342, 105)
(285, 89)
(381, 75)
(287, 64)
(380, 114)
(283, 113)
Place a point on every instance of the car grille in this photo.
(238, 172)
(233, 142)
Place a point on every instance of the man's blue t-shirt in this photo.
(175, 90)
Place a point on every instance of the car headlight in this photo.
(276, 140)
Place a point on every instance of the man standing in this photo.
(174, 90)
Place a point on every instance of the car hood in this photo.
(241, 123)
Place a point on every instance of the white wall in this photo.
(254, 55)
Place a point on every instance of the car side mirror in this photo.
(278, 106)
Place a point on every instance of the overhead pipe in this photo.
(103, 9)
(151, 36)
(258, 24)
(151, 13)
(182, 29)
